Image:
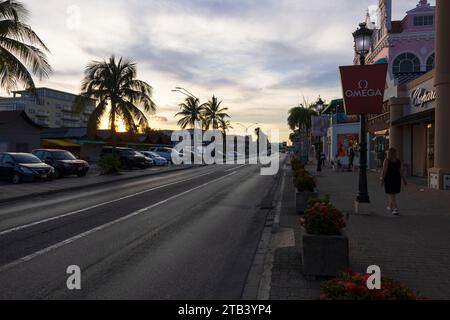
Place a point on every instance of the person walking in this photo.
(392, 178)
(351, 158)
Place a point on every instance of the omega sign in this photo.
(421, 96)
(363, 88)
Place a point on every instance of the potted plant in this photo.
(353, 286)
(305, 189)
(324, 244)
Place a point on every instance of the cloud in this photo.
(259, 56)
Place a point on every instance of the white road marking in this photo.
(104, 226)
(25, 226)
(244, 165)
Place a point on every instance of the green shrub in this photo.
(305, 182)
(323, 219)
(109, 164)
(297, 164)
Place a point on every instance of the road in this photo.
(184, 235)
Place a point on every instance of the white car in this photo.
(157, 159)
(165, 153)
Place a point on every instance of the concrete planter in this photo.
(301, 200)
(324, 256)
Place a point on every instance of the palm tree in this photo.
(191, 112)
(225, 125)
(20, 48)
(119, 94)
(214, 116)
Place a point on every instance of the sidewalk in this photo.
(413, 248)
(10, 192)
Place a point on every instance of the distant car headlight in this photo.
(25, 170)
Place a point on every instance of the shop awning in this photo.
(59, 143)
(425, 116)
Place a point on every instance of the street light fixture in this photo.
(247, 127)
(363, 43)
(319, 105)
(185, 92)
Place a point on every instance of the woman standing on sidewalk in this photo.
(392, 179)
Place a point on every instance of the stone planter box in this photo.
(324, 256)
(301, 200)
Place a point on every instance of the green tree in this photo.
(191, 112)
(20, 48)
(119, 94)
(213, 115)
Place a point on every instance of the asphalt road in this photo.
(184, 235)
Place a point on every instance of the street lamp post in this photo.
(247, 127)
(363, 43)
(320, 103)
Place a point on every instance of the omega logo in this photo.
(363, 91)
(363, 84)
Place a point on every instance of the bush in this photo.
(325, 200)
(109, 164)
(353, 286)
(297, 164)
(323, 219)
(304, 182)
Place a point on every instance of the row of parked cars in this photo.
(42, 164)
(49, 164)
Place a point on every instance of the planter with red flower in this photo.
(305, 190)
(353, 286)
(324, 244)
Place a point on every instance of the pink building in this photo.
(406, 45)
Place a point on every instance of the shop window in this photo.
(430, 63)
(406, 63)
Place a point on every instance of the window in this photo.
(430, 63)
(423, 21)
(406, 63)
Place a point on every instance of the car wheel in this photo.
(82, 174)
(16, 178)
(57, 174)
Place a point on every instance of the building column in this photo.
(439, 176)
(396, 132)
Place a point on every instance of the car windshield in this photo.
(128, 152)
(25, 158)
(63, 155)
(154, 154)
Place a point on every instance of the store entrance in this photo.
(430, 146)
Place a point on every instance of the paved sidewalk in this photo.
(10, 192)
(413, 248)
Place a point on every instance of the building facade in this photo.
(49, 108)
(408, 46)
(18, 133)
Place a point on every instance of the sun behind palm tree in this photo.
(119, 94)
(20, 48)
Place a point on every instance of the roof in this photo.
(333, 104)
(63, 132)
(397, 27)
(403, 78)
(11, 116)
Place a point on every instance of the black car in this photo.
(129, 158)
(18, 167)
(64, 162)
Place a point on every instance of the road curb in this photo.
(95, 184)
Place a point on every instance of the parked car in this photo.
(149, 161)
(165, 153)
(64, 162)
(129, 159)
(18, 167)
(158, 160)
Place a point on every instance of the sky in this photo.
(261, 57)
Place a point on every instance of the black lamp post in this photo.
(363, 44)
(319, 104)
